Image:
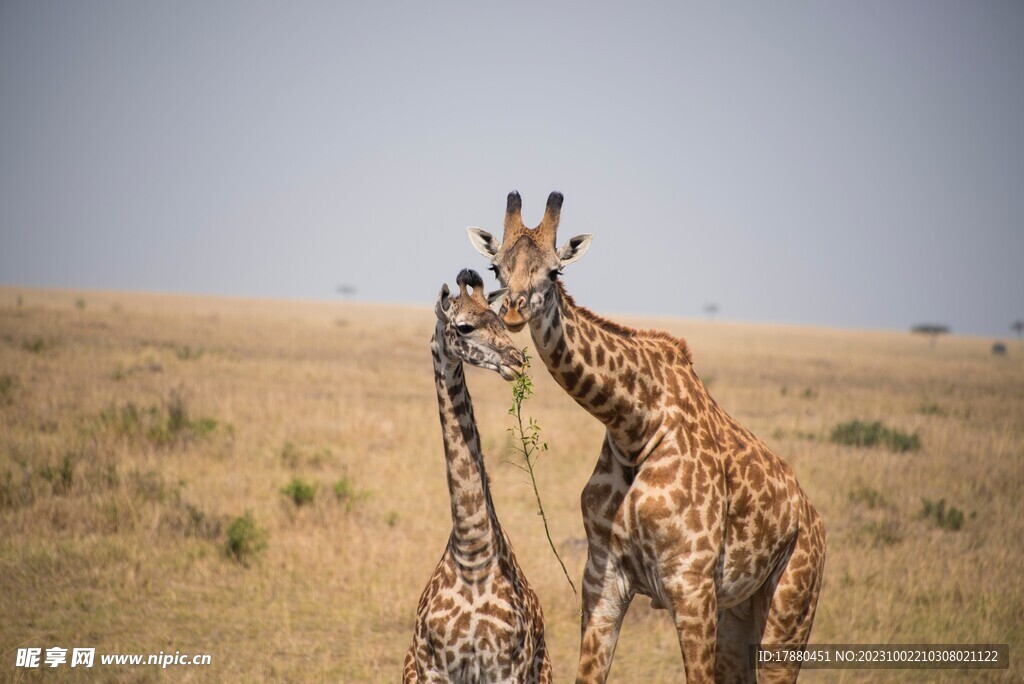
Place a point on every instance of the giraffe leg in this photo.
(601, 624)
(737, 630)
(787, 606)
(694, 606)
(600, 502)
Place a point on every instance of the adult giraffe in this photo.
(685, 505)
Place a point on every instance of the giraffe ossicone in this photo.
(685, 505)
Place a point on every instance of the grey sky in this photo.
(855, 164)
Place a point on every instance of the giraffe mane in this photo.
(623, 330)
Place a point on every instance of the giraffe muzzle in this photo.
(512, 313)
(512, 365)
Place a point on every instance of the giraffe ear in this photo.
(483, 241)
(573, 249)
(444, 303)
(496, 295)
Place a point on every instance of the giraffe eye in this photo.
(464, 329)
(554, 274)
(494, 269)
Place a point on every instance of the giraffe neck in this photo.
(475, 530)
(624, 379)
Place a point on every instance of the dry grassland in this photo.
(134, 428)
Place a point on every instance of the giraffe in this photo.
(685, 505)
(478, 620)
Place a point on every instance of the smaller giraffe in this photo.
(478, 619)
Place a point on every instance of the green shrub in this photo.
(36, 345)
(245, 539)
(163, 426)
(300, 491)
(863, 434)
(951, 519)
(123, 421)
(343, 489)
(346, 493)
(13, 494)
(8, 384)
(187, 353)
(60, 477)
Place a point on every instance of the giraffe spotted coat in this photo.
(685, 505)
(478, 620)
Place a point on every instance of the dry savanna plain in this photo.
(263, 481)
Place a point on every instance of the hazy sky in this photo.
(855, 164)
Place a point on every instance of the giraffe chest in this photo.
(480, 631)
(687, 516)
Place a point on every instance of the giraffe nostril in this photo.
(520, 303)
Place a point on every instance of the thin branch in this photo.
(529, 437)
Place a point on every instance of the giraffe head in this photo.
(526, 260)
(472, 332)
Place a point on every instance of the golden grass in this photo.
(126, 552)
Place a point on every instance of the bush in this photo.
(300, 491)
(951, 519)
(187, 353)
(343, 489)
(163, 426)
(863, 434)
(245, 539)
(347, 494)
(60, 477)
(8, 384)
(36, 345)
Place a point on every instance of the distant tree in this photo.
(1017, 327)
(932, 330)
(346, 290)
(998, 349)
(711, 310)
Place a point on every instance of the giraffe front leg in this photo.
(694, 607)
(602, 618)
(600, 503)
